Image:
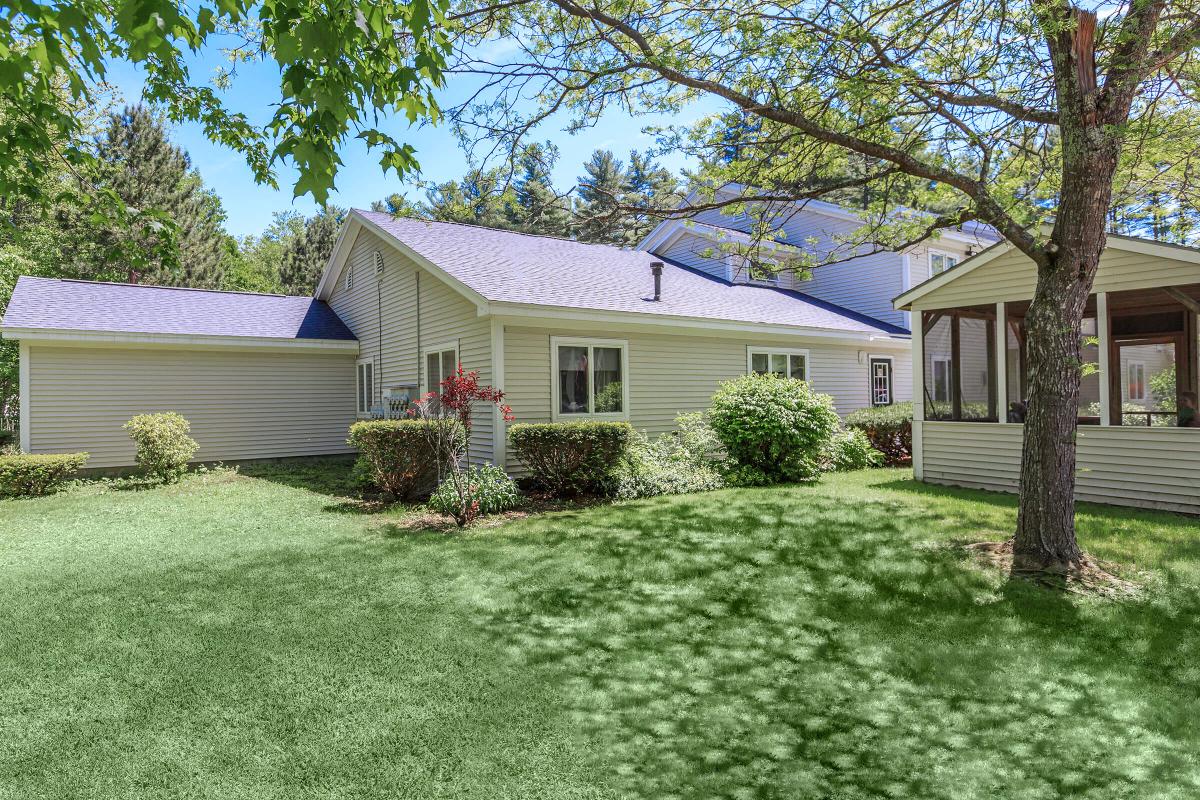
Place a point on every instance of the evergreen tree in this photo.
(601, 190)
(303, 257)
(479, 198)
(538, 207)
(397, 205)
(648, 187)
(155, 179)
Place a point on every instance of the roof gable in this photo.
(510, 271)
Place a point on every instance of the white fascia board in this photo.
(80, 338)
(903, 301)
(680, 324)
(337, 258)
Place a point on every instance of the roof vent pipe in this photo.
(656, 269)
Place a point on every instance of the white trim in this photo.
(86, 338)
(625, 318)
(670, 231)
(958, 270)
(333, 267)
(918, 376)
(426, 387)
(888, 357)
(589, 342)
(906, 283)
(24, 399)
(1001, 358)
(359, 411)
(499, 432)
(345, 243)
(918, 456)
(1104, 326)
(752, 349)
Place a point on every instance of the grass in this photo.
(250, 636)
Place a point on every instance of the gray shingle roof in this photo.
(53, 303)
(509, 267)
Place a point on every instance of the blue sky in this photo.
(360, 180)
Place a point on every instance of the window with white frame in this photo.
(440, 363)
(788, 363)
(881, 380)
(590, 377)
(365, 386)
(1136, 372)
(764, 271)
(940, 261)
(941, 378)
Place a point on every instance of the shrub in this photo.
(777, 425)
(399, 455)
(163, 445)
(487, 488)
(25, 475)
(571, 458)
(851, 449)
(680, 462)
(888, 428)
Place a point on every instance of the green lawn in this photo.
(257, 637)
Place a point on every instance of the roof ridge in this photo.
(478, 226)
(173, 288)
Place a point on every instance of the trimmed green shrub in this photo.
(400, 456)
(163, 445)
(488, 488)
(777, 425)
(571, 458)
(680, 462)
(25, 475)
(851, 449)
(889, 429)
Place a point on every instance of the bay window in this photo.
(589, 378)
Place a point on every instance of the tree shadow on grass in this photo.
(327, 475)
(788, 645)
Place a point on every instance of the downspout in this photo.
(379, 342)
(417, 275)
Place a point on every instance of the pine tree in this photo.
(479, 198)
(156, 180)
(649, 187)
(600, 193)
(538, 207)
(303, 257)
(397, 205)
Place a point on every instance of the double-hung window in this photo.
(1136, 380)
(440, 363)
(939, 262)
(590, 378)
(941, 378)
(881, 380)
(788, 363)
(365, 386)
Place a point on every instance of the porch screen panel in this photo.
(975, 371)
(1089, 376)
(939, 369)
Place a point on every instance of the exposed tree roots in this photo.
(1088, 576)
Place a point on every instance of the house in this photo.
(971, 385)
(568, 330)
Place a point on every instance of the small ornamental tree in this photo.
(449, 412)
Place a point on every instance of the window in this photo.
(764, 272)
(365, 386)
(349, 277)
(440, 363)
(939, 262)
(589, 378)
(1137, 380)
(788, 363)
(881, 381)
(941, 379)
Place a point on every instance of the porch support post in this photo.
(956, 367)
(1104, 327)
(918, 389)
(1000, 359)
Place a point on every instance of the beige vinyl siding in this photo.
(445, 317)
(1012, 276)
(241, 404)
(1136, 466)
(673, 374)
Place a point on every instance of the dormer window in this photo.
(764, 272)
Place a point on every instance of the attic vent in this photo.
(349, 277)
(378, 257)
